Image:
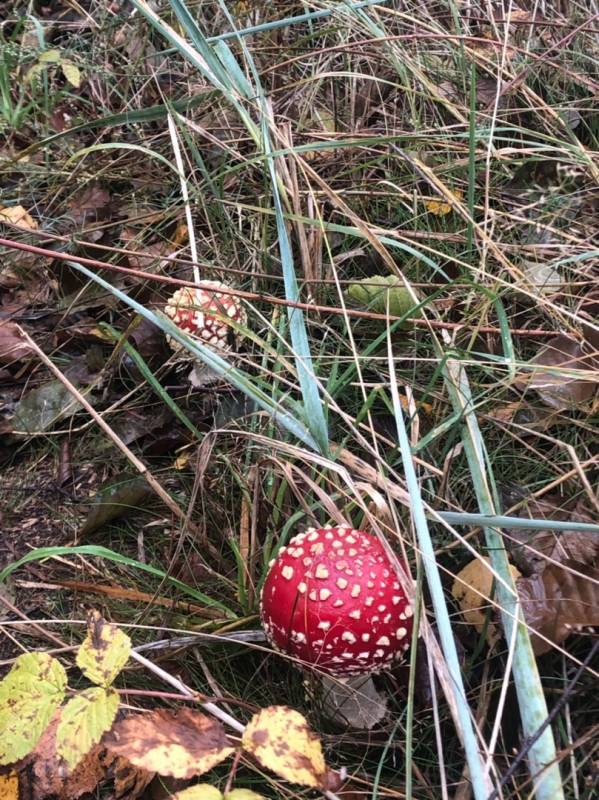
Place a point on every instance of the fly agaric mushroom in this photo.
(332, 599)
(205, 313)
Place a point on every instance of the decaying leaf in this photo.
(129, 780)
(12, 345)
(29, 696)
(281, 740)
(384, 294)
(118, 496)
(201, 791)
(83, 722)
(532, 550)
(16, 215)
(182, 744)
(104, 652)
(558, 386)
(9, 786)
(556, 602)
(472, 585)
(354, 702)
(43, 407)
(441, 207)
(47, 775)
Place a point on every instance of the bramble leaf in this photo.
(83, 722)
(104, 652)
(182, 744)
(29, 696)
(280, 739)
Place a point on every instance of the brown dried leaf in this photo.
(129, 781)
(472, 589)
(90, 206)
(557, 601)
(48, 776)
(281, 740)
(182, 744)
(533, 550)
(16, 215)
(558, 390)
(12, 345)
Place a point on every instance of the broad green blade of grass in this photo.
(221, 68)
(542, 757)
(103, 552)
(213, 360)
(481, 784)
(456, 518)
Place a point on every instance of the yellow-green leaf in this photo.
(71, 73)
(29, 696)
(201, 791)
(384, 294)
(281, 740)
(50, 56)
(83, 721)
(243, 794)
(104, 652)
(34, 71)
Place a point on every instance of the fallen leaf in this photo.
(47, 773)
(90, 206)
(120, 495)
(9, 786)
(29, 696)
(472, 588)
(16, 215)
(441, 208)
(43, 407)
(556, 602)
(563, 354)
(181, 744)
(532, 550)
(83, 722)
(244, 794)
(353, 703)
(202, 791)
(104, 652)
(384, 294)
(12, 345)
(71, 73)
(281, 740)
(129, 780)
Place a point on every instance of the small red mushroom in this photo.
(332, 599)
(205, 314)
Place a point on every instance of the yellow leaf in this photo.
(71, 73)
(83, 721)
(182, 744)
(16, 215)
(104, 652)
(182, 461)
(9, 786)
(29, 696)
(50, 56)
(472, 589)
(201, 791)
(280, 739)
(440, 207)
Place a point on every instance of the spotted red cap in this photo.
(190, 309)
(332, 599)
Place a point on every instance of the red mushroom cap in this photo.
(190, 309)
(332, 599)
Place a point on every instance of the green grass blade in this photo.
(213, 360)
(480, 781)
(103, 552)
(532, 705)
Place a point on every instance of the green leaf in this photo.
(72, 73)
(50, 56)
(384, 294)
(104, 652)
(29, 696)
(83, 722)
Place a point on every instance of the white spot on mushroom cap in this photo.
(355, 614)
(365, 637)
(400, 633)
(324, 594)
(301, 587)
(338, 603)
(321, 572)
(341, 583)
(324, 625)
(379, 653)
(383, 641)
(348, 636)
(287, 572)
(355, 590)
